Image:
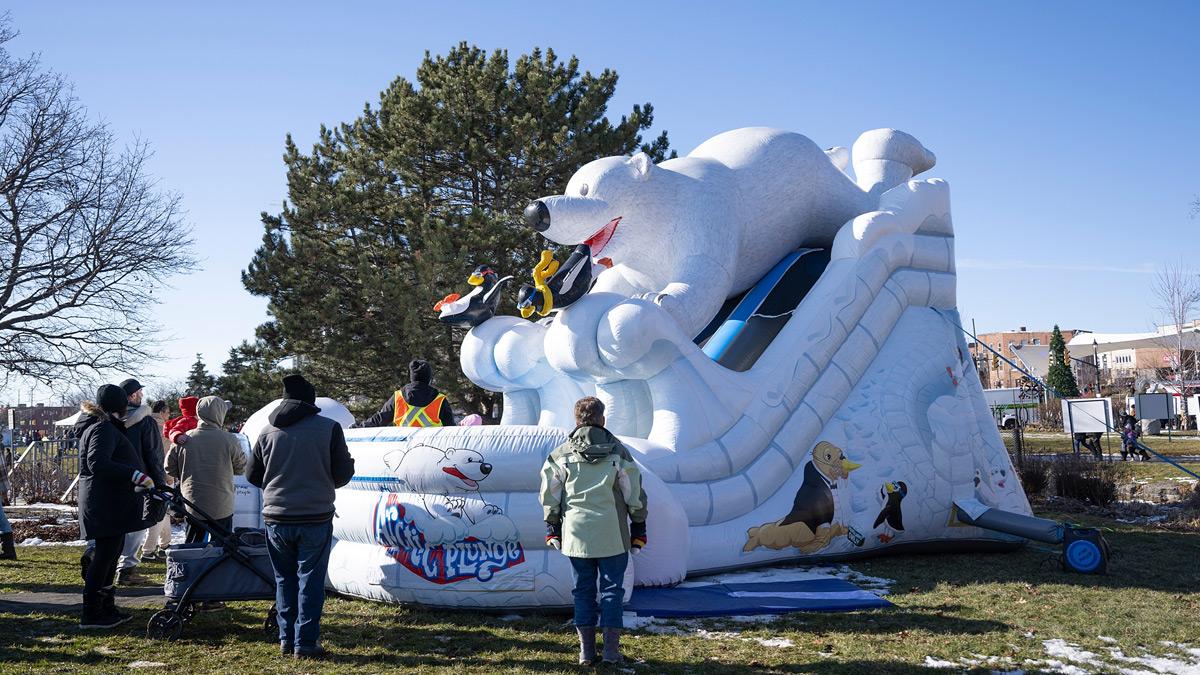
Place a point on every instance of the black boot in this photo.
(108, 605)
(93, 615)
(85, 561)
(8, 551)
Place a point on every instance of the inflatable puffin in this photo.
(477, 306)
(556, 287)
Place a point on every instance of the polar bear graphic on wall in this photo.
(693, 231)
(448, 482)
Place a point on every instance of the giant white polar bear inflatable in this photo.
(850, 423)
(695, 230)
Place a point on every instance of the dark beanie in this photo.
(419, 371)
(131, 386)
(296, 387)
(112, 399)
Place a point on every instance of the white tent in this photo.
(69, 421)
(1035, 358)
(1111, 342)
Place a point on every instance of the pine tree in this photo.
(251, 378)
(392, 211)
(1059, 377)
(199, 381)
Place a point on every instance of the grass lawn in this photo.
(974, 611)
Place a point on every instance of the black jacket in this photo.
(418, 392)
(298, 461)
(108, 505)
(145, 436)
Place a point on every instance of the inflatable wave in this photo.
(776, 344)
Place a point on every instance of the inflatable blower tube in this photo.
(1029, 527)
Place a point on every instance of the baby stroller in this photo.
(231, 566)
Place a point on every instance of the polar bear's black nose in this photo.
(537, 216)
(485, 468)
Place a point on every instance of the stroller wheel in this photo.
(165, 625)
(271, 623)
(187, 612)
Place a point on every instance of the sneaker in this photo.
(131, 577)
(210, 606)
(286, 649)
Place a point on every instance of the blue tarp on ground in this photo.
(768, 597)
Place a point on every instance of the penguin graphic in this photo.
(891, 494)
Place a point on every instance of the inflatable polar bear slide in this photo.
(857, 427)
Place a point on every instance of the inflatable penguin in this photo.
(556, 287)
(890, 516)
(477, 306)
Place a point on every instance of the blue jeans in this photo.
(5, 526)
(609, 573)
(300, 556)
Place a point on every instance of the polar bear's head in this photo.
(598, 197)
(429, 470)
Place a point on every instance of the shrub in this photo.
(1090, 481)
(1035, 476)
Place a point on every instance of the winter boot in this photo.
(108, 605)
(612, 644)
(93, 615)
(85, 561)
(587, 645)
(7, 550)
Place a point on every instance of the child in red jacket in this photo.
(186, 421)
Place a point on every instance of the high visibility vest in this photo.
(415, 416)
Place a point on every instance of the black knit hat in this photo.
(419, 371)
(112, 399)
(131, 386)
(298, 388)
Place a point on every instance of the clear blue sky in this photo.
(1068, 131)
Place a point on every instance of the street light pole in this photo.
(1096, 364)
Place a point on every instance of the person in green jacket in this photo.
(595, 513)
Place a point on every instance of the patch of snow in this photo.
(35, 541)
(1107, 639)
(147, 664)
(931, 662)
(1062, 649)
(46, 507)
(774, 642)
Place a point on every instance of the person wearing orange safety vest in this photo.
(418, 404)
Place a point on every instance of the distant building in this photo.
(1125, 359)
(1027, 348)
(35, 421)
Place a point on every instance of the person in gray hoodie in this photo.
(206, 465)
(299, 459)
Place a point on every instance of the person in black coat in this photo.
(144, 434)
(422, 405)
(109, 502)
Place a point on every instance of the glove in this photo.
(141, 482)
(637, 536)
(554, 536)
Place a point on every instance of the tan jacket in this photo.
(206, 465)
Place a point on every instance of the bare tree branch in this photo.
(1177, 291)
(83, 232)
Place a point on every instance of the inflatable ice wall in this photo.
(852, 424)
